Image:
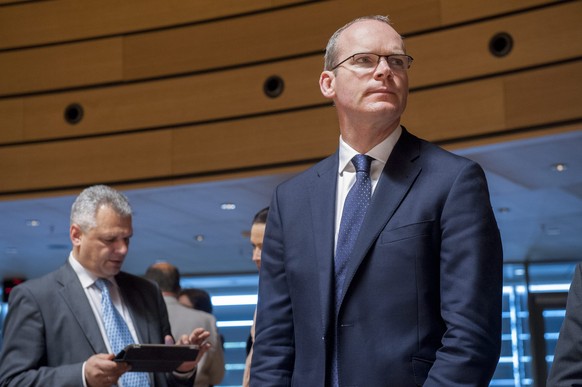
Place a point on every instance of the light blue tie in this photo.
(118, 334)
(355, 207)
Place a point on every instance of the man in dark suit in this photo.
(417, 299)
(566, 369)
(55, 333)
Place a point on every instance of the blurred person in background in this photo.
(256, 238)
(566, 368)
(198, 299)
(183, 319)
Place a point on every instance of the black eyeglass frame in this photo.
(410, 59)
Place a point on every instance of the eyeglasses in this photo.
(367, 61)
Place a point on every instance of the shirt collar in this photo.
(380, 152)
(85, 276)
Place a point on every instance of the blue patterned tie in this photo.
(355, 207)
(118, 334)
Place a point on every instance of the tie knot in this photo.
(362, 163)
(102, 283)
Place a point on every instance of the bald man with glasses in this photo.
(382, 264)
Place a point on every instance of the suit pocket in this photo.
(406, 232)
(420, 368)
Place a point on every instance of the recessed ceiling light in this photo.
(559, 167)
(33, 222)
(228, 206)
(551, 230)
(199, 238)
(519, 271)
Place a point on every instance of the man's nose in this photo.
(122, 246)
(383, 68)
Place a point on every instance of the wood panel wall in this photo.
(174, 90)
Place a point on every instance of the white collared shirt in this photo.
(347, 172)
(93, 294)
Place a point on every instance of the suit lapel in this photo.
(395, 182)
(322, 193)
(74, 297)
(133, 302)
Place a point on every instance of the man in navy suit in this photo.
(421, 297)
(55, 334)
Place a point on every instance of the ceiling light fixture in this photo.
(519, 272)
(228, 206)
(559, 167)
(199, 238)
(551, 230)
(33, 222)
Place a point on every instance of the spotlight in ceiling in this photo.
(228, 206)
(33, 222)
(519, 272)
(551, 230)
(199, 238)
(559, 167)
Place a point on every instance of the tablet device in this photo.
(156, 357)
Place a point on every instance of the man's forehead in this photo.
(369, 33)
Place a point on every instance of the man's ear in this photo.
(327, 84)
(75, 234)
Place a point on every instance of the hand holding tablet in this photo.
(156, 357)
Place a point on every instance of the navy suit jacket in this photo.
(422, 300)
(50, 329)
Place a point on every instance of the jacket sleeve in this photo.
(23, 359)
(273, 349)
(471, 279)
(215, 361)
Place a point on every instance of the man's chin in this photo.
(114, 267)
(387, 107)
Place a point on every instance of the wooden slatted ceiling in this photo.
(156, 128)
(227, 94)
(442, 57)
(45, 22)
(256, 38)
(497, 104)
(168, 152)
(267, 36)
(475, 108)
(61, 67)
(540, 37)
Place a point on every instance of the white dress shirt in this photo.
(93, 294)
(347, 172)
